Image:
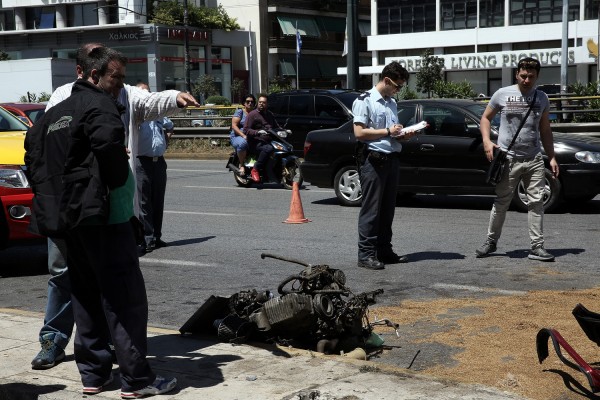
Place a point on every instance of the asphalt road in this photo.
(217, 232)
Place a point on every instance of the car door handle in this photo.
(427, 147)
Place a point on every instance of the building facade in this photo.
(481, 40)
(321, 25)
(38, 30)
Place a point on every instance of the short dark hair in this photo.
(99, 58)
(84, 51)
(529, 63)
(262, 95)
(395, 71)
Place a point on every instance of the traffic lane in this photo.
(440, 243)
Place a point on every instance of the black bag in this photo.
(496, 170)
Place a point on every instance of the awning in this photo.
(287, 68)
(306, 26)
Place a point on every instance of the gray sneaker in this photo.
(50, 354)
(486, 249)
(540, 254)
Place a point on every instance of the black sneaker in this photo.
(50, 355)
(371, 263)
(488, 248)
(540, 254)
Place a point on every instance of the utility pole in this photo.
(565, 47)
(186, 48)
(353, 52)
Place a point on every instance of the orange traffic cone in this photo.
(296, 212)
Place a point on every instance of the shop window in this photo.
(7, 20)
(83, 14)
(40, 18)
(591, 9)
(404, 16)
(524, 12)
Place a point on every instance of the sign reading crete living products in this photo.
(503, 59)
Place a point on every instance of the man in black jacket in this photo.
(258, 122)
(83, 189)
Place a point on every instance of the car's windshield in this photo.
(478, 110)
(9, 122)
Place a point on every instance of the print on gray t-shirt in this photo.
(512, 106)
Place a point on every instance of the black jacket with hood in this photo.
(74, 156)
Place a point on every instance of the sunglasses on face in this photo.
(397, 86)
(249, 101)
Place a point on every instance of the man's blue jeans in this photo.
(59, 320)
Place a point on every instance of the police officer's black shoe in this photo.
(391, 258)
(370, 263)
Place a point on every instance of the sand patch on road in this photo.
(497, 341)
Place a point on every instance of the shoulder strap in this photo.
(523, 121)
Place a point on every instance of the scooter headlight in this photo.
(277, 146)
(282, 134)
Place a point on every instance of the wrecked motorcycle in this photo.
(314, 309)
(282, 167)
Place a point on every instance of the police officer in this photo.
(378, 133)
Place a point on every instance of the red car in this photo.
(15, 192)
(26, 112)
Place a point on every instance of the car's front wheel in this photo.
(552, 194)
(346, 184)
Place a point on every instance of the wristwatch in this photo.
(388, 131)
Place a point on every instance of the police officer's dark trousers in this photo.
(109, 301)
(379, 184)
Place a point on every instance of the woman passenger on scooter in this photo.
(237, 136)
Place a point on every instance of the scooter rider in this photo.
(258, 122)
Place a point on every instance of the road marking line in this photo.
(144, 260)
(478, 289)
(201, 213)
(264, 188)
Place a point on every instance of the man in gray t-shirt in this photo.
(525, 160)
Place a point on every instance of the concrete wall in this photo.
(35, 76)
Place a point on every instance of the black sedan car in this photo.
(447, 157)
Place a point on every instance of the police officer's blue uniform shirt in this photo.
(152, 141)
(375, 111)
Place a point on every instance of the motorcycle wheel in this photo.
(242, 181)
(288, 174)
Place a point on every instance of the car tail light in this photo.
(306, 148)
(12, 176)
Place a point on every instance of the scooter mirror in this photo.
(282, 134)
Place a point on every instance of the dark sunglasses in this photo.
(249, 101)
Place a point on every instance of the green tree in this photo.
(591, 89)
(451, 90)
(34, 98)
(171, 13)
(431, 71)
(238, 87)
(205, 86)
(406, 93)
(279, 84)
